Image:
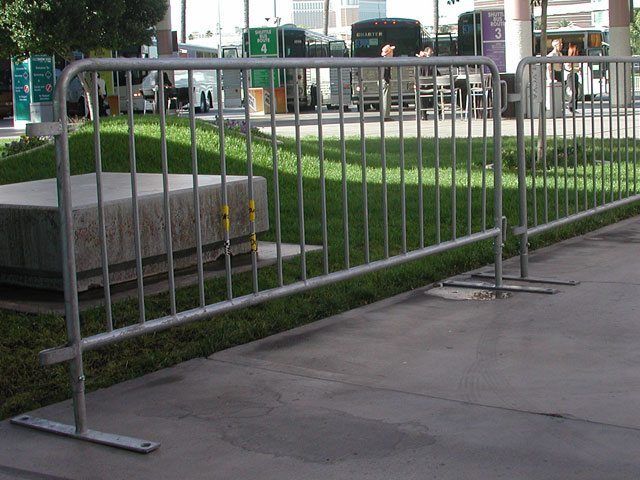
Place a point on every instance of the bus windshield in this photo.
(368, 37)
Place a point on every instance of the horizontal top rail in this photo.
(171, 63)
(576, 59)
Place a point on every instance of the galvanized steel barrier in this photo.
(578, 158)
(392, 225)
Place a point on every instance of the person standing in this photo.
(387, 52)
(555, 69)
(573, 78)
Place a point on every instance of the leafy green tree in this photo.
(62, 27)
(635, 32)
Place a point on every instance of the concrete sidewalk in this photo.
(413, 387)
(7, 130)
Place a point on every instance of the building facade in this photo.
(562, 13)
(308, 13)
(342, 13)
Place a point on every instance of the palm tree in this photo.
(246, 15)
(183, 21)
(326, 16)
(436, 17)
(543, 46)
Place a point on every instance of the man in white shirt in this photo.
(555, 69)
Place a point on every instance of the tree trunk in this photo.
(543, 52)
(87, 84)
(325, 15)
(183, 21)
(436, 17)
(246, 15)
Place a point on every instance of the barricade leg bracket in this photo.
(503, 288)
(550, 281)
(118, 441)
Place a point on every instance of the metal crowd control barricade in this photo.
(580, 161)
(420, 202)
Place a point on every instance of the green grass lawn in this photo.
(24, 385)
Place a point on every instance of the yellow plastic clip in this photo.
(252, 210)
(225, 217)
(254, 242)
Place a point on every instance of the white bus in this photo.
(591, 42)
(145, 82)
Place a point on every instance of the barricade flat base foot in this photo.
(550, 281)
(118, 441)
(503, 288)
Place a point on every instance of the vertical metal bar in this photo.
(97, 155)
(363, 153)
(543, 141)
(611, 187)
(602, 170)
(196, 188)
(534, 193)
(619, 140)
(522, 178)
(276, 178)
(565, 155)
(555, 144)
(134, 200)
(251, 208)
(574, 106)
(72, 313)
(436, 115)
(343, 159)
(416, 74)
(225, 216)
(626, 130)
(593, 141)
(485, 115)
(497, 176)
(633, 112)
(585, 200)
(454, 208)
(383, 162)
(168, 241)
(296, 110)
(469, 149)
(403, 188)
(323, 188)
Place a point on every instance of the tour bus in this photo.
(145, 83)
(325, 90)
(444, 44)
(367, 39)
(591, 42)
(296, 42)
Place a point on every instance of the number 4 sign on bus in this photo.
(263, 42)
